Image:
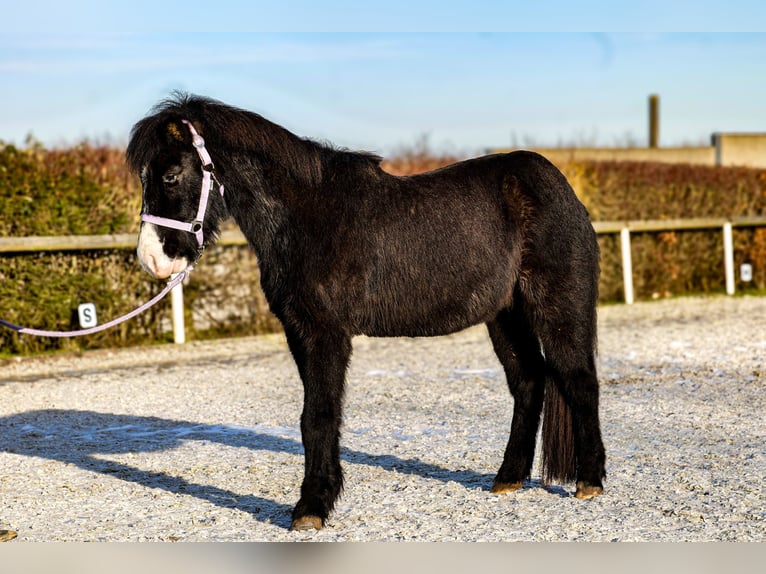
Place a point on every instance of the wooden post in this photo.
(654, 121)
(627, 265)
(177, 309)
(728, 257)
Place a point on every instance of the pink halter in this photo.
(208, 177)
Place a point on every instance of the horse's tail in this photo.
(559, 463)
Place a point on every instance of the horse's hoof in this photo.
(587, 491)
(505, 487)
(307, 523)
(6, 535)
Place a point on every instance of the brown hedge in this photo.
(673, 263)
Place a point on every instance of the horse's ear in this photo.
(175, 132)
(179, 131)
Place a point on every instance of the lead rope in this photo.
(77, 333)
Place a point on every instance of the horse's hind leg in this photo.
(322, 359)
(519, 352)
(568, 340)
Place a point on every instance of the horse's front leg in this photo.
(322, 358)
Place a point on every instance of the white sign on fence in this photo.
(86, 313)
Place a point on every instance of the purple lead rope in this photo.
(42, 333)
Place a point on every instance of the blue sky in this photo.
(469, 76)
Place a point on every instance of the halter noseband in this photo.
(208, 177)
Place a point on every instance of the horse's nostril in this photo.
(153, 265)
(149, 263)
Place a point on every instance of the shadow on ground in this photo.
(78, 437)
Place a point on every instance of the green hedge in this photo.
(87, 190)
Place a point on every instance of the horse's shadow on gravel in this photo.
(79, 437)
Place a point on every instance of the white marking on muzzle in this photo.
(153, 258)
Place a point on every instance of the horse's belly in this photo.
(430, 313)
(429, 328)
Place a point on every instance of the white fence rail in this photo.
(22, 245)
(625, 228)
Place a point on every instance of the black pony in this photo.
(345, 248)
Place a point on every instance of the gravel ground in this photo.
(201, 442)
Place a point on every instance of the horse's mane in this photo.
(231, 129)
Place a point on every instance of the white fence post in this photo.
(627, 265)
(177, 304)
(728, 257)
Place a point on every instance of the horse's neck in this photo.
(257, 195)
(273, 186)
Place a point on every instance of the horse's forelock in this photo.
(141, 146)
(151, 135)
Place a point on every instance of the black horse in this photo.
(345, 248)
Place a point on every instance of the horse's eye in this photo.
(170, 179)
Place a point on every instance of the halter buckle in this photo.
(198, 141)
